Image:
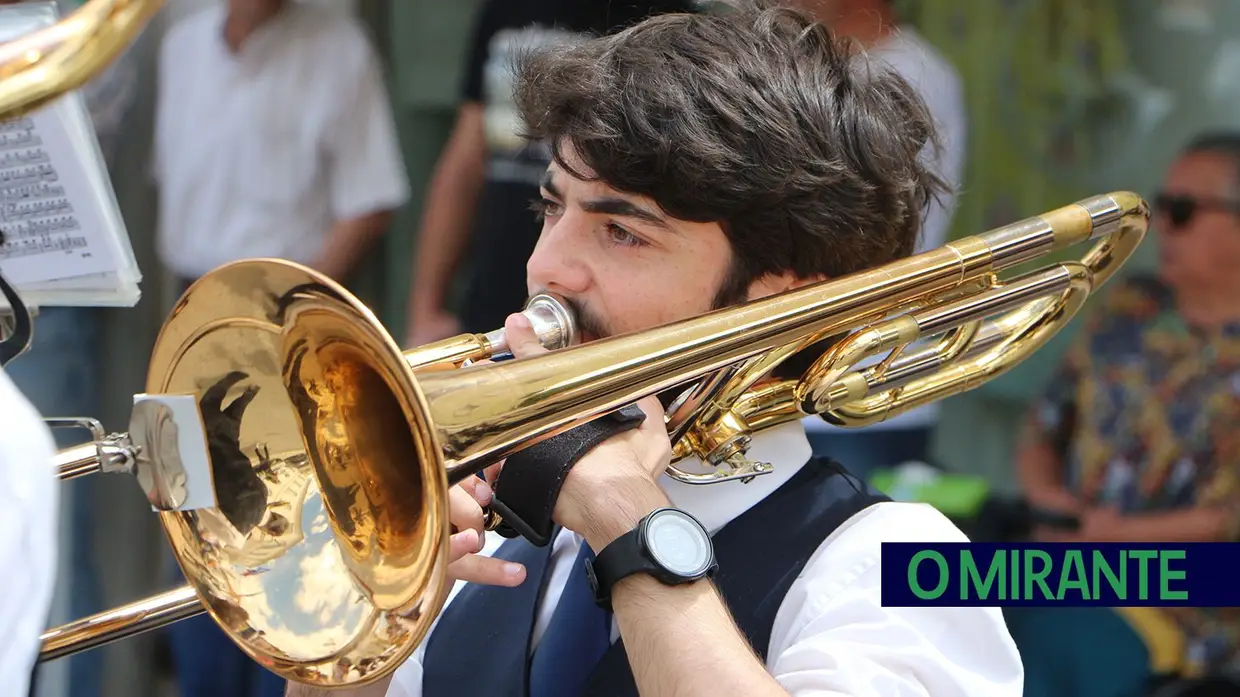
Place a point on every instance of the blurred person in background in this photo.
(1137, 437)
(275, 137)
(876, 28)
(59, 373)
(478, 202)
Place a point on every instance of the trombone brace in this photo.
(529, 484)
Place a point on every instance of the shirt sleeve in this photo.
(833, 637)
(366, 169)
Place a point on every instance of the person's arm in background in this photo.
(1214, 517)
(444, 229)
(366, 171)
(1040, 466)
(450, 200)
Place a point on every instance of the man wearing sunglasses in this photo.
(1134, 437)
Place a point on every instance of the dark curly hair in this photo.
(804, 150)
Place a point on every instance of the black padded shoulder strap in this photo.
(530, 482)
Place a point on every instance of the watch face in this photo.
(678, 543)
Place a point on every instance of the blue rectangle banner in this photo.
(1033, 574)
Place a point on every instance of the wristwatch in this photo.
(669, 544)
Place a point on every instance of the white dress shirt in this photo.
(831, 636)
(260, 153)
(29, 495)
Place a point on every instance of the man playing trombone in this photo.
(700, 162)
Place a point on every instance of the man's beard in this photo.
(588, 323)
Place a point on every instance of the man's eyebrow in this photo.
(611, 206)
(624, 209)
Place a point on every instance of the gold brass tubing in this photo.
(121, 622)
(39, 67)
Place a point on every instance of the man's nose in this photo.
(558, 263)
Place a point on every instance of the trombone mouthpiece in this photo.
(553, 324)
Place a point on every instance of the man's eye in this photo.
(545, 207)
(619, 236)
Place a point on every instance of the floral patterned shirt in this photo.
(1145, 410)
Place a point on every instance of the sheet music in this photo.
(45, 234)
(65, 240)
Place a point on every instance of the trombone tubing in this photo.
(484, 413)
(39, 67)
(120, 623)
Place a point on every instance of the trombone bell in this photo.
(260, 384)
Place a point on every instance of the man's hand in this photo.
(466, 501)
(1101, 524)
(616, 484)
(1054, 500)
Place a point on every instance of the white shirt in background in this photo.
(29, 497)
(260, 153)
(939, 85)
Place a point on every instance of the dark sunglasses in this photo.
(1181, 209)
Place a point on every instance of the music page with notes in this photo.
(65, 242)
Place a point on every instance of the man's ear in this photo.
(773, 284)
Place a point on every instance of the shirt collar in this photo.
(256, 46)
(786, 447)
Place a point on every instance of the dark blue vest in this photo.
(481, 645)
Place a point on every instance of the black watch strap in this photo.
(618, 560)
(531, 479)
(627, 555)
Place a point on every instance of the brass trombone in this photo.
(331, 451)
(300, 461)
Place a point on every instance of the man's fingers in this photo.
(478, 489)
(655, 414)
(463, 511)
(487, 571)
(462, 543)
(467, 565)
(492, 474)
(522, 340)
